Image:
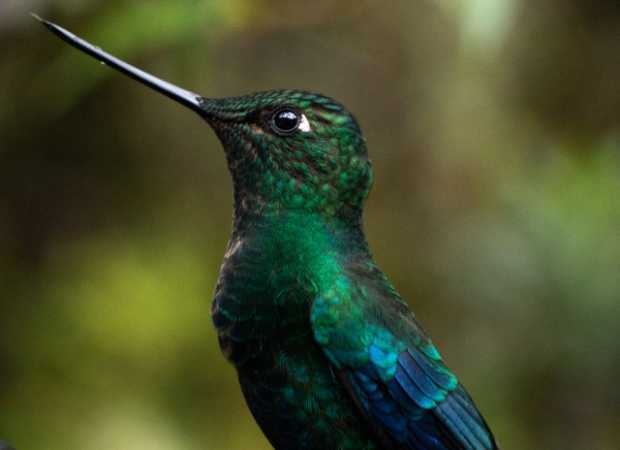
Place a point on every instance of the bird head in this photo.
(292, 150)
(287, 150)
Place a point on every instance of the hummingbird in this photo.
(328, 354)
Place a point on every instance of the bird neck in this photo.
(302, 236)
(252, 207)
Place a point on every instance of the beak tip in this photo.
(40, 19)
(46, 23)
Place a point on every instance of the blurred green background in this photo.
(494, 127)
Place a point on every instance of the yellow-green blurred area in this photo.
(494, 127)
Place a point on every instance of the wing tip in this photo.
(465, 421)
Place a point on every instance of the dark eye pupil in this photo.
(286, 121)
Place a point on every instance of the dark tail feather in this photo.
(458, 414)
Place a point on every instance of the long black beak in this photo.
(185, 97)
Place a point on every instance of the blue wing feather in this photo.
(394, 373)
(413, 420)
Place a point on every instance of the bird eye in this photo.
(285, 121)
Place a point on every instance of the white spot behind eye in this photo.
(304, 124)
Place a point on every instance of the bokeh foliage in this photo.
(494, 126)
